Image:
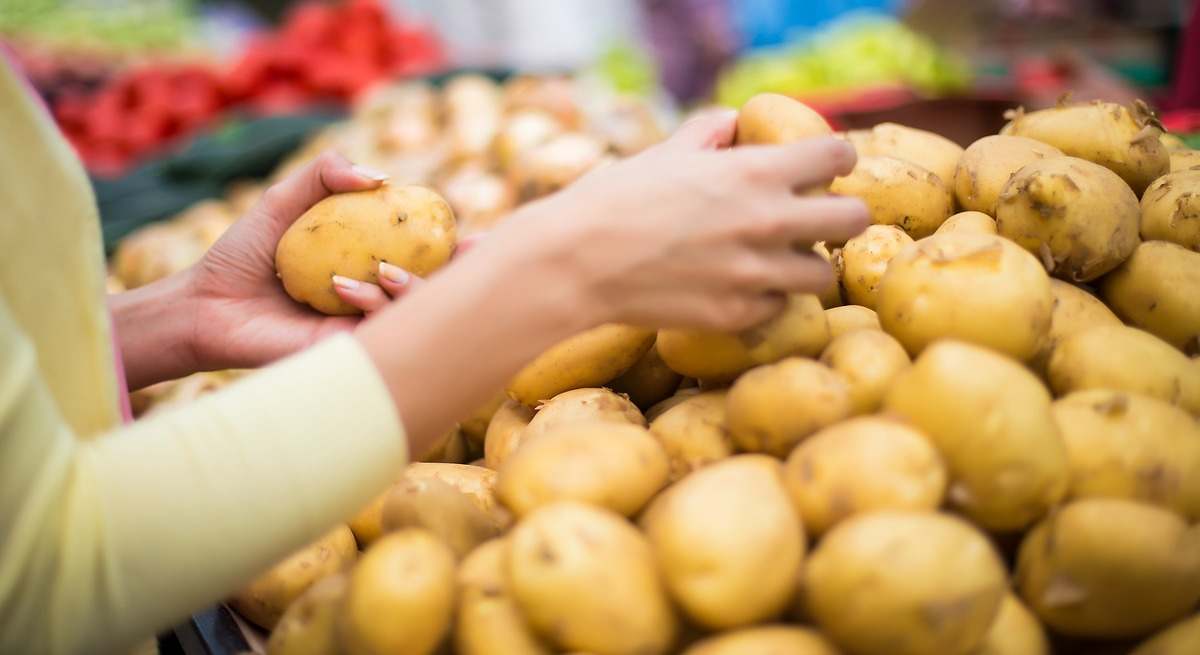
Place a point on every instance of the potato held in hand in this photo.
(771, 118)
(348, 234)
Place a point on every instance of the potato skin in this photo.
(772, 408)
(1158, 290)
(580, 405)
(728, 542)
(969, 221)
(973, 287)
(868, 361)
(772, 118)
(987, 164)
(899, 193)
(475, 426)
(862, 465)
(831, 296)
(864, 260)
(586, 580)
(1015, 631)
(1076, 216)
(904, 583)
(930, 151)
(456, 504)
(693, 433)
(1074, 310)
(649, 381)
(1107, 567)
(1184, 160)
(1171, 209)
(348, 234)
(367, 524)
(504, 431)
(588, 359)
(307, 627)
(850, 317)
(1181, 638)
(990, 419)
(765, 640)
(488, 620)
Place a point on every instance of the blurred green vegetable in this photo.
(628, 70)
(119, 26)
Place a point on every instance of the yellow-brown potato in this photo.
(990, 419)
(930, 151)
(615, 465)
(450, 448)
(864, 260)
(1125, 445)
(899, 193)
(1172, 142)
(765, 640)
(831, 296)
(555, 95)
(478, 197)
(868, 361)
(1015, 631)
(801, 329)
(772, 408)
(586, 580)
(401, 597)
(1074, 310)
(349, 234)
(771, 119)
(1126, 359)
(904, 583)
(1158, 290)
(974, 287)
(264, 600)
(154, 252)
(367, 524)
(552, 165)
(1122, 139)
(1079, 218)
(522, 131)
(848, 318)
(1180, 638)
(588, 359)
(681, 395)
(987, 164)
(1108, 567)
(475, 426)
(580, 406)
(649, 381)
(455, 504)
(488, 621)
(308, 626)
(693, 432)
(1183, 160)
(1171, 209)
(504, 432)
(863, 465)
(968, 221)
(728, 541)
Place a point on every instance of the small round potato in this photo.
(1171, 209)
(488, 620)
(850, 317)
(586, 581)
(693, 432)
(868, 361)
(523, 130)
(904, 583)
(863, 465)
(864, 260)
(649, 381)
(765, 640)
(772, 408)
(728, 541)
(456, 504)
(588, 359)
(898, 192)
(969, 221)
(771, 118)
(1158, 290)
(1181, 638)
(987, 164)
(308, 626)
(582, 405)
(1107, 568)
(504, 432)
(930, 151)
(1015, 631)
(1074, 310)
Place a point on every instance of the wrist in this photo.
(156, 329)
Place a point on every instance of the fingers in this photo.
(361, 295)
(330, 173)
(777, 269)
(800, 165)
(708, 129)
(395, 280)
(468, 242)
(833, 219)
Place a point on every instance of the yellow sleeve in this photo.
(103, 542)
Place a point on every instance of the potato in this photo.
(367, 525)
(868, 361)
(1076, 216)
(1125, 445)
(974, 287)
(552, 165)
(1172, 142)
(987, 164)
(582, 405)
(990, 419)
(968, 221)
(554, 95)
(728, 541)
(489, 622)
(1181, 638)
(154, 252)
(475, 426)
(693, 432)
(1158, 290)
(1126, 359)
(772, 408)
(1015, 631)
(586, 580)
(455, 503)
(848, 318)
(264, 600)
(349, 234)
(450, 448)
(863, 465)
(1107, 567)
(401, 596)
(765, 640)
(800, 329)
(479, 198)
(864, 260)
(649, 381)
(898, 192)
(504, 432)
(588, 359)
(681, 395)
(832, 295)
(307, 627)
(1171, 209)
(771, 118)
(522, 131)
(1182, 160)
(1074, 310)
(614, 465)
(904, 583)
(933, 152)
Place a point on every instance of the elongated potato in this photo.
(772, 408)
(693, 433)
(1183, 160)
(1076, 216)
(832, 295)
(504, 432)
(367, 525)
(1171, 209)
(456, 505)
(898, 192)
(588, 359)
(488, 620)
(1158, 290)
(904, 583)
(973, 287)
(864, 260)
(582, 405)
(990, 419)
(449, 448)
(862, 465)
(765, 640)
(968, 221)
(850, 317)
(1180, 638)
(771, 119)
(308, 626)
(1107, 567)
(1074, 310)
(265, 599)
(930, 151)
(1125, 445)
(987, 164)
(728, 541)
(1123, 139)
(649, 381)
(1015, 631)
(868, 361)
(475, 426)
(586, 581)
(1126, 359)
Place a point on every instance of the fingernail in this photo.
(345, 283)
(393, 274)
(370, 173)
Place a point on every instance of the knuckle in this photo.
(749, 271)
(273, 195)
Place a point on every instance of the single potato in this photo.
(1015, 631)
(832, 295)
(649, 381)
(455, 502)
(868, 361)
(1171, 209)
(899, 193)
(772, 408)
(987, 164)
(850, 317)
(968, 221)
(488, 620)
(765, 640)
(588, 359)
(1182, 160)
(930, 151)
(1158, 290)
(771, 119)
(1180, 638)
(1074, 309)
(555, 163)
(693, 433)
(504, 432)
(582, 405)
(864, 260)
(475, 426)
(308, 625)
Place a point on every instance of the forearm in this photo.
(155, 328)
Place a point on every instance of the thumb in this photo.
(713, 128)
